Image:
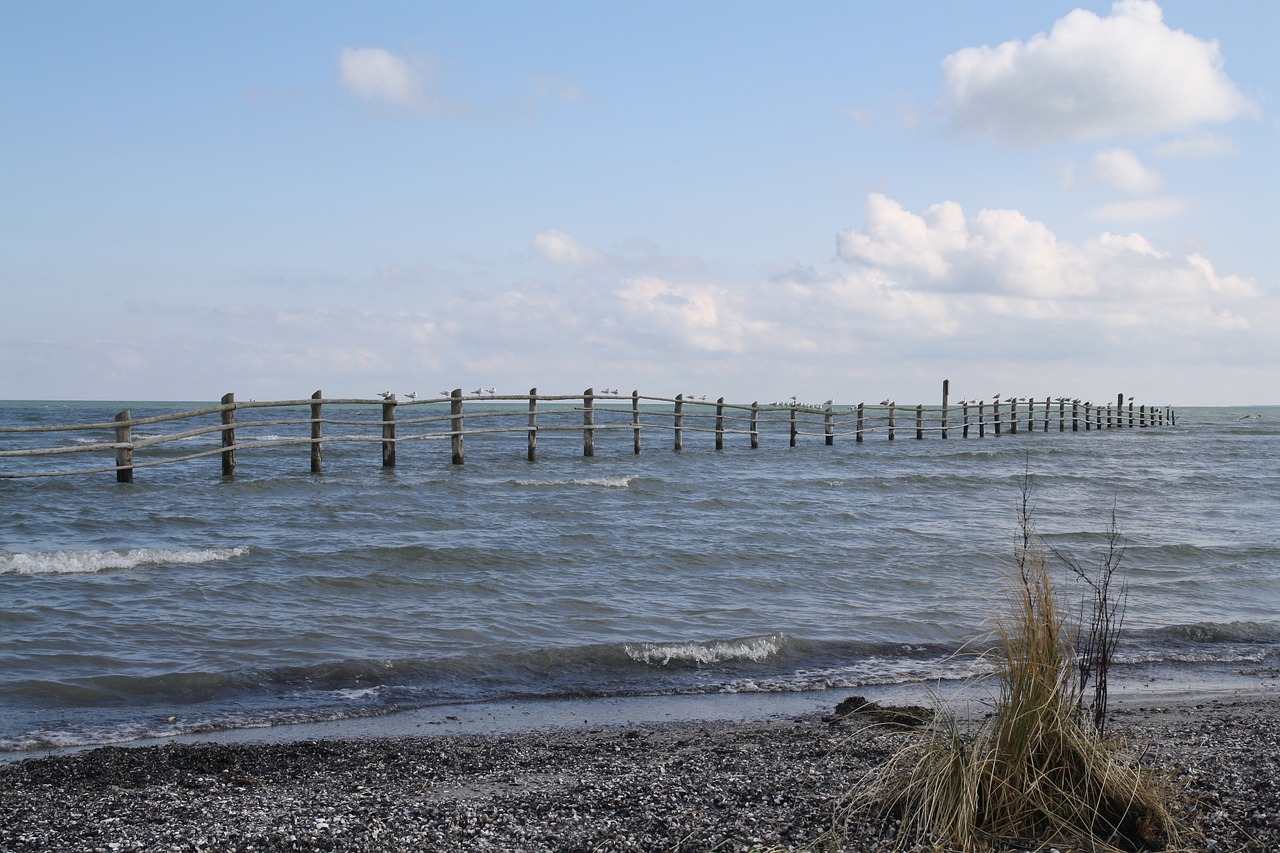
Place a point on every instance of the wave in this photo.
(1211, 633)
(88, 562)
(599, 482)
(755, 649)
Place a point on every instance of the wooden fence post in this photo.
(892, 406)
(919, 421)
(1142, 415)
(1062, 414)
(965, 410)
(588, 422)
(755, 425)
(1075, 415)
(995, 414)
(317, 429)
(982, 419)
(829, 426)
(946, 392)
(124, 453)
(229, 435)
(678, 423)
(456, 424)
(389, 432)
(793, 426)
(533, 424)
(1031, 414)
(720, 424)
(1013, 416)
(860, 423)
(635, 420)
(1120, 409)
(1046, 414)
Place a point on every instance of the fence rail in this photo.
(453, 418)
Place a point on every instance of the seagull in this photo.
(386, 395)
(478, 391)
(444, 393)
(412, 395)
(828, 403)
(884, 402)
(492, 391)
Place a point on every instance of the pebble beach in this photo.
(724, 785)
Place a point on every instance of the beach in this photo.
(771, 783)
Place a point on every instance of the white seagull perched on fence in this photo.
(386, 395)
(412, 395)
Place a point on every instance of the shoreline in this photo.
(670, 781)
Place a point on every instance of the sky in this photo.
(848, 200)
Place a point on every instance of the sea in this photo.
(186, 602)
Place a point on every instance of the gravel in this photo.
(677, 786)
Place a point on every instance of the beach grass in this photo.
(1037, 771)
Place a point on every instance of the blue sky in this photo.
(755, 200)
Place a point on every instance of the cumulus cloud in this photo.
(376, 74)
(1002, 253)
(1092, 77)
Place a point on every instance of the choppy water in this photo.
(185, 602)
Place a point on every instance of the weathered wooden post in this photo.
(995, 414)
(1142, 415)
(588, 423)
(1013, 416)
(1087, 406)
(1047, 402)
(1075, 415)
(456, 424)
(317, 429)
(829, 425)
(635, 421)
(1031, 414)
(982, 420)
(946, 391)
(678, 423)
(228, 435)
(124, 452)
(919, 421)
(965, 410)
(861, 422)
(389, 432)
(533, 424)
(892, 407)
(794, 426)
(1062, 414)
(720, 424)
(1120, 409)
(755, 425)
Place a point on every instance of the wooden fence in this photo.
(456, 417)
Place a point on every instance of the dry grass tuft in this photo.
(1035, 772)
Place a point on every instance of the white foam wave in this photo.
(600, 482)
(753, 649)
(85, 562)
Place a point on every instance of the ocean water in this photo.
(185, 602)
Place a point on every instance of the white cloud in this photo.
(376, 74)
(1142, 209)
(1092, 77)
(1002, 253)
(699, 316)
(1200, 146)
(561, 248)
(1120, 168)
